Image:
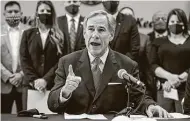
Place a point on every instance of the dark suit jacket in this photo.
(108, 97)
(126, 39)
(146, 74)
(36, 62)
(187, 97)
(63, 25)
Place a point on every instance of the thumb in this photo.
(71, 73)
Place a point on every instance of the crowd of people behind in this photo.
(50, 56)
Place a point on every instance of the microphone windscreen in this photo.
(120, 73)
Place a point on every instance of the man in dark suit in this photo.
(159, 25)
(126, 39)
(71, 26)
(87, 82)
(159, 30)
(145, 72)
(11, 72)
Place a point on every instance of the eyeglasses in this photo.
(160, 19)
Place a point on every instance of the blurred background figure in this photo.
(144, 66)
(169, 59)
(159, 25)
(71, 25)
(11, 73)
(186, 105)
(126, 39)
(41, 48)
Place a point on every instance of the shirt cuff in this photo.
(62, 99)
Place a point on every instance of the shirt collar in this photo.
(15, 28)
(102, 58)
(115, 14)
(43, 32)
(76, 18)
(161, 35)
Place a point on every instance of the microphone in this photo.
(122, 74)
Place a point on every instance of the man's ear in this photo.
(111, 36)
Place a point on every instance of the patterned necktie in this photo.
(72, 34)
(96, 72)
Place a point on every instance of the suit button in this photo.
(42, 64)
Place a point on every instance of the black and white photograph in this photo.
(114, 60)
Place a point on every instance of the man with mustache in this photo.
(11, 73)
(86, 81)
(126, 39)
(71, 26)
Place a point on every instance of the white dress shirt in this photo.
(44, 36)
(103, 59)
(14, 36)
(157, 35)
(76, 18)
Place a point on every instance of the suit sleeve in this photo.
(5, 73)
(53, 100)
(137, 92)
(135, 40)
(26, 62)
(187, 96)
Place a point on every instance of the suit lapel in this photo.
(119, 25)
(86, 73)
(8, 43)
(108, 71)
(79, 31)
(38, 39)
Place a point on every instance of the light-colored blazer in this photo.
(6, 59)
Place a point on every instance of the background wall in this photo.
(143, 9)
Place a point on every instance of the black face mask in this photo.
(160, 31)
(111, 6)
(45, 19)
(176, 28)
(72, 9)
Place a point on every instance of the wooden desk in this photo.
(57, 117)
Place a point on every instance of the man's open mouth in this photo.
(95, 44)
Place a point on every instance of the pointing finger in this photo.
(71, 73)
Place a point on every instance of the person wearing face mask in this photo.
(169, 58)
(11, 72)
(126, 39)
(71, 25)
(41, 48)
(159, 25)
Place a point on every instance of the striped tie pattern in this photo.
(72, 34)
(96, 72)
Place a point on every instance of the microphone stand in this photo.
(126, 111)
(129, 110)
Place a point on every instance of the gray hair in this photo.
(110, 19)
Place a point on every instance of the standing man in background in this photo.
(11, 73)
(159, 30)
(126, 39)
(71, 26)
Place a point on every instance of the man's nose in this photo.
(95, 34)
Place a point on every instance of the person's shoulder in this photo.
(61, 17)
(124, 59)
(72, 56)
